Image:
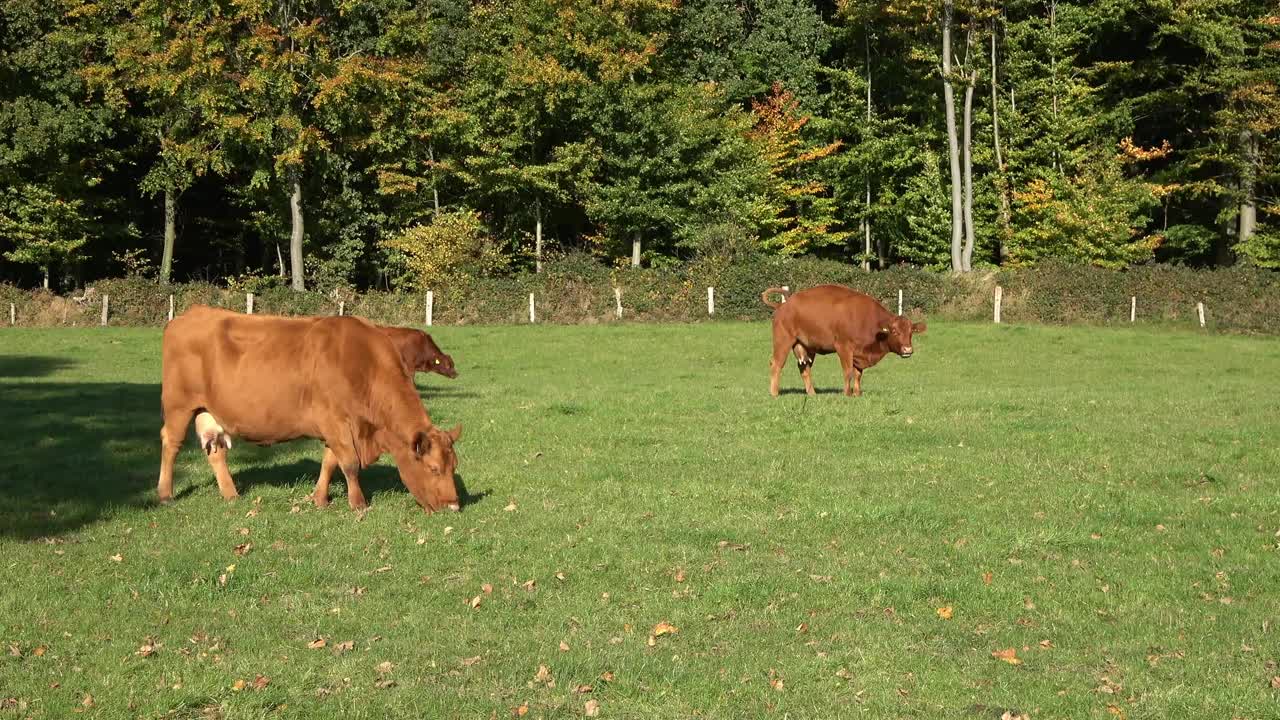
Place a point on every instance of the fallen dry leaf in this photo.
(680, 575)
(486, 588)
(87, 701)
(117, 557)
(583, 689)
(607, 676)
(149, 647)
(510, 506)
(844, 674)
(564, 646)
(776, 684)
(986, 578)
(385, 667)
(14, 650)
(222, 579)
(1275, 682)
(242, 549)
(384, 684)
(945, 612)
(238, 685)
(384, 568)
(802, 628)
(664, 628)
(529, 584)
(475, 602)
(651, 641)
(591, 708)
(521, 711)
(317, 643)
(544, 677)
(1117, 711)
(261, 681)
(41, 650)
(1046, 644)
(1010, 656)
(468, 662)
(560, 576)
(1013, 715)
(344, 646)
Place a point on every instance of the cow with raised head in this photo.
(834, 319)
(268, 379)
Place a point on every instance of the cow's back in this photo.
(268, 378)
(822, 315)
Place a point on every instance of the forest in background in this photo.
(394, 144)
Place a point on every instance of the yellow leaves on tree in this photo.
(455, 244)
(802, 214)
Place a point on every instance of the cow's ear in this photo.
(421, 443)
(918, 327)
(455, 433)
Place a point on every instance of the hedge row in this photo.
(575, 291)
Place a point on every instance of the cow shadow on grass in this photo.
(818, 390)
(374, 481)
(74, 453)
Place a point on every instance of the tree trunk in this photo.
(1002, 183)
(279, 260)
(1053, 72)
(948, 99)
(435, 194)
(295, 237)
(866, 217)
(635, 250)
(170, 233)
(537, 250)
(1248, 181)
(967, 254)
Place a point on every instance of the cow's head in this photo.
(432, 465)
(432, 359)
(896, 334)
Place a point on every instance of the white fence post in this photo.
(248, 303)
(532, 317)
(785, 288)
(617, 299)
(999, 300)
(1199, 310)
(1133, 308)
(342, 306)
(431, 303)
(170, 307)
(13, 314)
(899, 302)
(711, 301)
(106, 303)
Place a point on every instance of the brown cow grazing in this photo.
(833, 318)
(419, 351)
(270, 379)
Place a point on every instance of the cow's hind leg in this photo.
(804, 361)
(355, 496)
(218, 461)
(172, 433)
(781, 346)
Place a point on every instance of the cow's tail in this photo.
(780, 291)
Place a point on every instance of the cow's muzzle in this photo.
(906, 352)
(453, 506)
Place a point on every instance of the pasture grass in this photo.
(1102, 502)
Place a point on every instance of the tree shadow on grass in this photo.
(16, 366)
(74, 453)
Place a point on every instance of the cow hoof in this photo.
(165, 500)
(321, 502)
(232, 496)
(454, 507)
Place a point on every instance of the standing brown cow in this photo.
(270, 379)
(833, 318)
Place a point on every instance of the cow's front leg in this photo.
(327, 464)
(846, 364)
(218, 461)
(355, 496)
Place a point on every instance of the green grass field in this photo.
(1102, 502)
